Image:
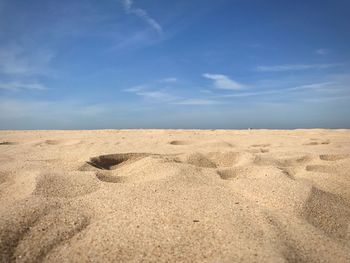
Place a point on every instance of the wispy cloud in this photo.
(249, 94)
(135, 89)
(295, 67)
(18, 86)
(157, 95)
(313, 87)
(164, 95)
(223, 82)
(150, 94)
(14, 60)
(322, 51)
(142, 14)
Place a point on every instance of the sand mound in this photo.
(65, 184)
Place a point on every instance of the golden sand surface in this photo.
(175, 196)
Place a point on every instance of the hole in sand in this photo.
(181, 142)
(113, 161)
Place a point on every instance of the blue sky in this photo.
(93, 64)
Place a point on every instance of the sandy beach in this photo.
(175, 196)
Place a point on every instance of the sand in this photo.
(175, 196)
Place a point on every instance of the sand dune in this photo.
(175, 196)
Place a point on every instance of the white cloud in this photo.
(294, 67)
(320, 88)
(223, 82)
(142, 14)
(17, 86)
(322, 51)
(145, 92)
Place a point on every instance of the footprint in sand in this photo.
(51, 229)
(257, 150)
(217, 144)
(110, 178)
(334, 157)
(4, 176)
(328, 212)
(5, 158)
(283, 162)
(181, 142)
(254, 172)
(317, 143)
(32, 227)
(8, 143)
(288, 171)
(58, 142)
(215, 159)
(227, 174)
(15, 222)
(260, 145)
(320, 168)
